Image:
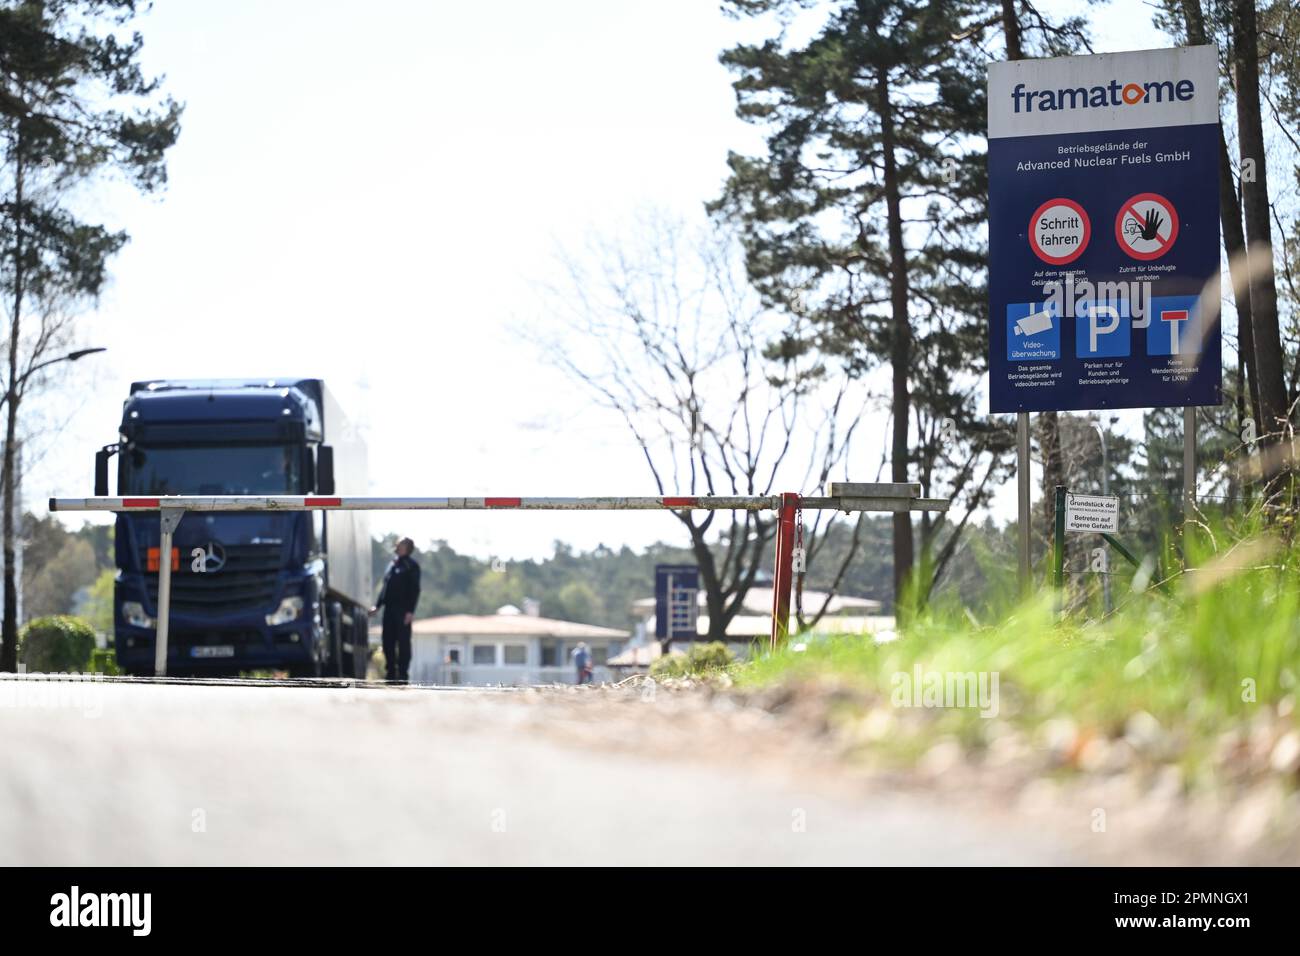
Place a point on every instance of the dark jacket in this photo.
(401, 590)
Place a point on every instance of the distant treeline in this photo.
(71, 572)
(599, 586)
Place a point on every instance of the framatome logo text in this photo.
(1114, 93)
(102, 909)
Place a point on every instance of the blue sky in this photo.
(372, 193)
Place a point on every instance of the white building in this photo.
(753, 623)
(506, 648)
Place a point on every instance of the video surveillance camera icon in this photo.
(1034, 323)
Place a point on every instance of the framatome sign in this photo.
(1103, 231)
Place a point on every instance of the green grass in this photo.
(700, 660)
(1206, 653)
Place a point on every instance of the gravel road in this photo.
(114, 773)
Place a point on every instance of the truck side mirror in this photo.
(324, 470)
(101, 470)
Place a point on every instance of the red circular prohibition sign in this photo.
(1128, 208)
(1070, 256)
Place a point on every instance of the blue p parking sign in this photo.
(1102, 329)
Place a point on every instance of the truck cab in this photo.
(250, 591)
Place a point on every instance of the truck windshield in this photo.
(213, 470)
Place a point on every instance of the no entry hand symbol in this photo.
(1146, 226)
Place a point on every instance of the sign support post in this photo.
(1058, 543)
(1023, 530)
(1105, 490)
(1189, 462)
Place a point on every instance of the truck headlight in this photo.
(133, 614)
(290, 609)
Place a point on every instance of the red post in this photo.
(783, 574)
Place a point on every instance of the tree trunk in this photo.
(9, 628)
(900, 350)
(1258, 233)
(722, 611)
(1234, 242)
(713, 596)
(1049, 444)
(1011, 30)
(9, 662)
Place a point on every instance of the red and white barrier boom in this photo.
(847, 497)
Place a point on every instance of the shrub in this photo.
(699, 660)
(56, 644)
(103, 660)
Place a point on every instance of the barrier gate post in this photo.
(168, 519)
(782, 571)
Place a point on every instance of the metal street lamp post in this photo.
(9, 627)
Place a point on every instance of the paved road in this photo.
(126, 774)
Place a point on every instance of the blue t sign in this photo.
(1175, 326)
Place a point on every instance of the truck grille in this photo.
(246, 581)
(188, 639)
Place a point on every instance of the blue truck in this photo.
(277, 591)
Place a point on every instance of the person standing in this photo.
(582, 661)
(398, 597)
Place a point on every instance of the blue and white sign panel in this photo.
(1104, 231)
(677, 596)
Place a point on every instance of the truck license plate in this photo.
(213, 650)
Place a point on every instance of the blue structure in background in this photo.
(677, 590)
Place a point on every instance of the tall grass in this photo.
(1199, 651)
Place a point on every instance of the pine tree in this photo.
(863, 219)
(74, 104)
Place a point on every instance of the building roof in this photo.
(511, 625)
(642, 655)
(748, 627)
(755, 625)
(758, 600)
